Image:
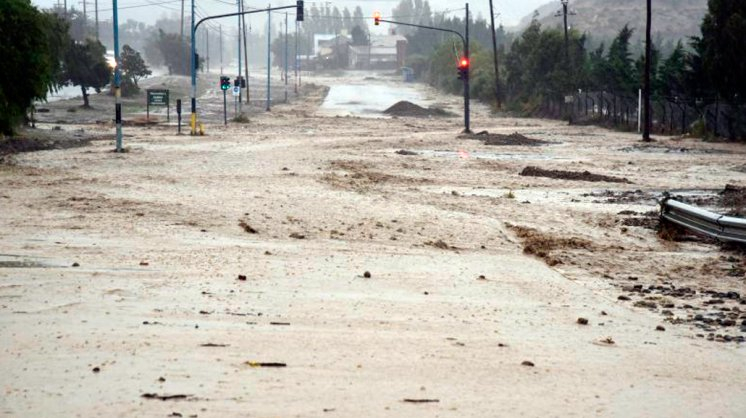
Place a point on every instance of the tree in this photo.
(723, 48)
(133, 69)
(671, 76)
(359, 36)
(173, 51)
(620, 70)
(27, 70)
(86, 66)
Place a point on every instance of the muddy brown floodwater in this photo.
(297, 265)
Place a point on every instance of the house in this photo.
(385, 52)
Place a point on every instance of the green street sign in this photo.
(158, 97)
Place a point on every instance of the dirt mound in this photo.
(570, 175)
(544, 245)
(29, 140)
(505, 140)
(409, 109)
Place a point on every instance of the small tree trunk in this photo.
(84, 90)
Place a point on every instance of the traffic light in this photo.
(463, 69)
(225, 82)
(377, 18)
(299, 11)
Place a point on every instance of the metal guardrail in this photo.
(721, 227)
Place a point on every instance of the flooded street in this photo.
(301, 264)
(369, 95)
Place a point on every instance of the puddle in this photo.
(653, 149)
(487, 155)
(368, 99)
(12, 261)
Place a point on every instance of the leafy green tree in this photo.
(620, 72)
(359, 36)
(173, 51)
(671, 75)
(723, 47)
(86, 66)
(133, 69)
(27, 69)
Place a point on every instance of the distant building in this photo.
(385, 52)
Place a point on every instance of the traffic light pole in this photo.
(298, 7)
(465, 40)
(225, 110)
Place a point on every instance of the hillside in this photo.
(602, 19)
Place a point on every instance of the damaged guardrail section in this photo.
(720, 227)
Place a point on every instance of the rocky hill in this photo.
(602, 19)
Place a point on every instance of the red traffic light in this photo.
(464, 63)
(377, 18)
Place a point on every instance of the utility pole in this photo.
(648, 56)
(269, 51)
(295, 61)
(494, 51)
(567, 53)
(238, 2)
(467, 92)
(181, 36)
(117, 80)
(193, 71)
(207, 49)
(95, 4)
(246, 56)
(286, 57)
(220, 30)
(85, 18)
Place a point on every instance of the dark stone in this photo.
(75, 264)
(527, 363)
(367, 275)
(660, 328)
(623, 297)
(582, 321)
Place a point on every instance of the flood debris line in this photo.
(733, 199)
(175, 397)
(718, 315)
(362, 177)
(40, 139)
(514, 139)
(544, 245)
(532, 171)
(256, 364)
(409, 109)
(248, 228)
(440, 244)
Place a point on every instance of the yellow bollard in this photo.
(193, 124)
(201, 130)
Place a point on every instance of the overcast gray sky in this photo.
(511, 11)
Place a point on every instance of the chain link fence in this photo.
(670, 115)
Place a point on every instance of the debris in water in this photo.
(164, 397)
(262, 364)
(532, 171)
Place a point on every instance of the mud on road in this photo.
(178, 277)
